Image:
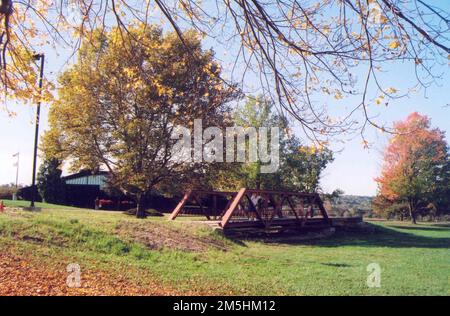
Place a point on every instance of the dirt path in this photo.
(20, 275)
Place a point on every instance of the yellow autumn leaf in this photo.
(379, 100)
(392, 90)
(382, 19)
(394, 44)
(338, 95)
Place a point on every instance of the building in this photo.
(84, 187)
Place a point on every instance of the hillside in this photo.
(351, 205)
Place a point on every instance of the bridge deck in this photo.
(312, 223)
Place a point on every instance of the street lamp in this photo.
(36, 132)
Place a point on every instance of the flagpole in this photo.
(17, 154)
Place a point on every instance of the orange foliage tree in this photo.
(415, 170)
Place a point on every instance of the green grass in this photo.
(414, 259)
(21, 203)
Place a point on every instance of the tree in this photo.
(441, 202)
(300, 166)
(121, 103)
(415, 169)
(49, 182)
(298, 49)
(390, 209)
(335, 196)
(257, 112)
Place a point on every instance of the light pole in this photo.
(17, 167)
(14, 197)
(36, 132)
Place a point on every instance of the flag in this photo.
(15, 165)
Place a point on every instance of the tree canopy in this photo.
(119, 106)
(416, 167)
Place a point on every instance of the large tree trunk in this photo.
(412, 212)
(413, 217)
(140, 208)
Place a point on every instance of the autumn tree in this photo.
(415, 169)
(120, 104)
(297, 49)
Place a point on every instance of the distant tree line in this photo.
(7, 191)
(342, 205)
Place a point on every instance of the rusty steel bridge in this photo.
(251, 208)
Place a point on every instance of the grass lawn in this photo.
(186, 258)
(20, 203)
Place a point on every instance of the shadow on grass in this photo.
(438, 228)
(372, 236)
(442, 225)
(381, 236)
(336, 265)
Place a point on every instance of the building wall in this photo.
(82, 195)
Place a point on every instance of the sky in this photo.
(353, 169)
